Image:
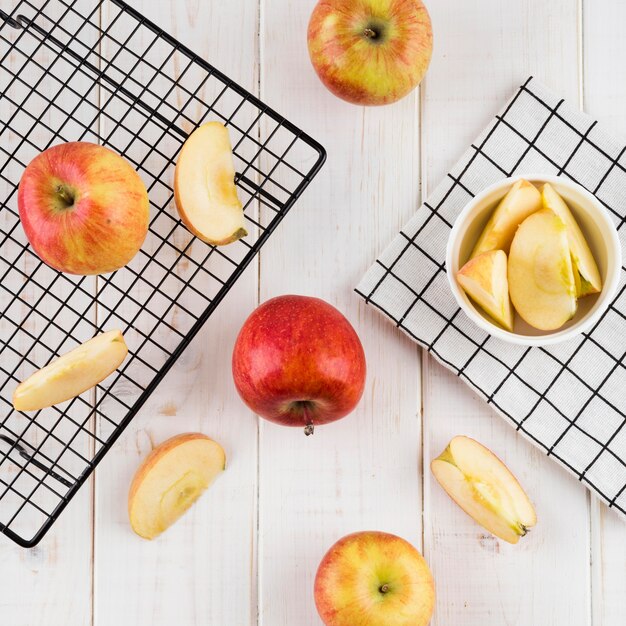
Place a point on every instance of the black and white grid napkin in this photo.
(569, 399)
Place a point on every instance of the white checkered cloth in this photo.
(569, 399)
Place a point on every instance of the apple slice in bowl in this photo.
(72, 373)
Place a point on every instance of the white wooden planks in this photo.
(202, 571)
(605, 98)
(367, 470)
(484, 50)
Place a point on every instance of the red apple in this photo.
(370, 51)
(84, 208)
(297, 361)
(374, 578)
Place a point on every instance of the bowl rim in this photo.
(611, 282)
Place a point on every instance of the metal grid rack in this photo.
(72, 71)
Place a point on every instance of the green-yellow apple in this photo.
(586, 272)
(522, 200)
(374, 578)
(370, 52)
(170, 480)
(484, 280)
(482, 485)
(72, 373)
(298, 362)
(204, 186)
(84, 208)
(541, 276)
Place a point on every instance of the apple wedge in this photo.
(586, 273)
(482, 485)
(204, 186)
(72, 373)
(522, 200)
(170, 480)
(484, 280)
(541, 276)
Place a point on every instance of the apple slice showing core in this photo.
(72, 373)
(586, 273)
(484, 280)
(482, 485)
(204, 186)
(170, 480)
(541, 276)
(522, 200)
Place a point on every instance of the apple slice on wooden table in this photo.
(541, 276)
(586, 273)
(204, 186)
(170, 480)
(482, 485)
(72, 373)
(484, 280)
(522, 200)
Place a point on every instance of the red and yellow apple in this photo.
(83, 207)
(374, 578)
(298, 362)
(370, 52)
(172, 477)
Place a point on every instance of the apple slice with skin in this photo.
(482, 485)
(586, 271)
(484, 280)
(541, 276)
(170, 480)
(72, 373)
(204, 186)
(522, 200)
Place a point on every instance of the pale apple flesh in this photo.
(84, 208)
(173, 476)
(374, 578)
(541, 276)
(72, 373)
(522, 200)
(484, 280)
(481, 484)
(204, 186)
(586, 273)
(370, 52)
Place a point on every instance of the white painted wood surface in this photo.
(247, 552)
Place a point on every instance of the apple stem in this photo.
(384, 588)
(370, 33)
(65, 195)
(308, 429)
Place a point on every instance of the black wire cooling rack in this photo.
(99, 71)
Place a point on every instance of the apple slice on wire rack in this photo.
(172, 477)
(204, 187)
(483, 486)
(72, 373)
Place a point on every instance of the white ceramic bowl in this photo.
(598, 229)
